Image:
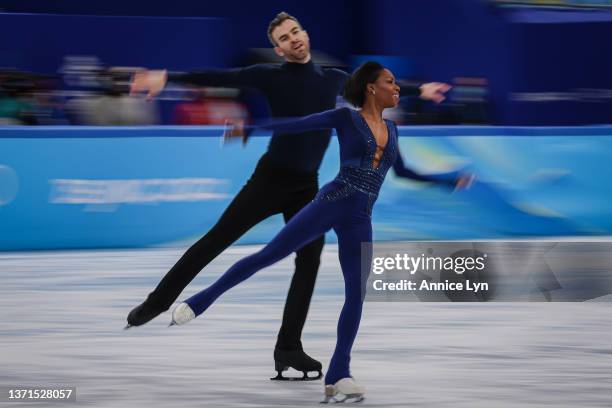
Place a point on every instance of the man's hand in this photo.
(434, 91)
(234, 130)
(151, 82)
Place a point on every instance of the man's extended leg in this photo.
(256, 201)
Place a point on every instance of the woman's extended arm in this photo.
(329, 119)
(453, 179)
(402, 171)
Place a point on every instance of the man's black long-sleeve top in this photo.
(292, 90)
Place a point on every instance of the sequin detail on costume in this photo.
(352, 180)
(367, 181)
(365, 178)
(388, 152)
(335, 194)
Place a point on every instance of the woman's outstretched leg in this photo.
(354, 250)
(312, 221)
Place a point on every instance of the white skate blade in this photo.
(348, 399)
(348, 388)
(351, 399)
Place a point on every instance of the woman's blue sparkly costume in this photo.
(345, 204)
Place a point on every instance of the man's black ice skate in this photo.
(298, 360)
(144, 313)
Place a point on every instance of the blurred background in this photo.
(85, 166)
(541, 64)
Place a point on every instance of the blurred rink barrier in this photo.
(530, 62)
(103, 187)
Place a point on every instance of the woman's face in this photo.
(385, 91)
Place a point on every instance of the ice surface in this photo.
(64, 313)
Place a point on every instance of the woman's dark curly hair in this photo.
(355, 87)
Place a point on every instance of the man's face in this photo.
(292, 42)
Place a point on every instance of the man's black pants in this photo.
(269, 191)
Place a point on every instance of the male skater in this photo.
(282, 182)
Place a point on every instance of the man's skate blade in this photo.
(305, 377)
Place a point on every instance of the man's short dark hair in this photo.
(278, 20)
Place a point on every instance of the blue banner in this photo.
(85, 187)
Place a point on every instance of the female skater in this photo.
(368, 148)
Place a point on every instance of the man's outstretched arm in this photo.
(430, 91)
(154, 81)
(433, 91)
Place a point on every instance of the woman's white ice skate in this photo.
(182, 314)
(347, 387)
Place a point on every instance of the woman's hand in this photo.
(234, 130)
(464, 181)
